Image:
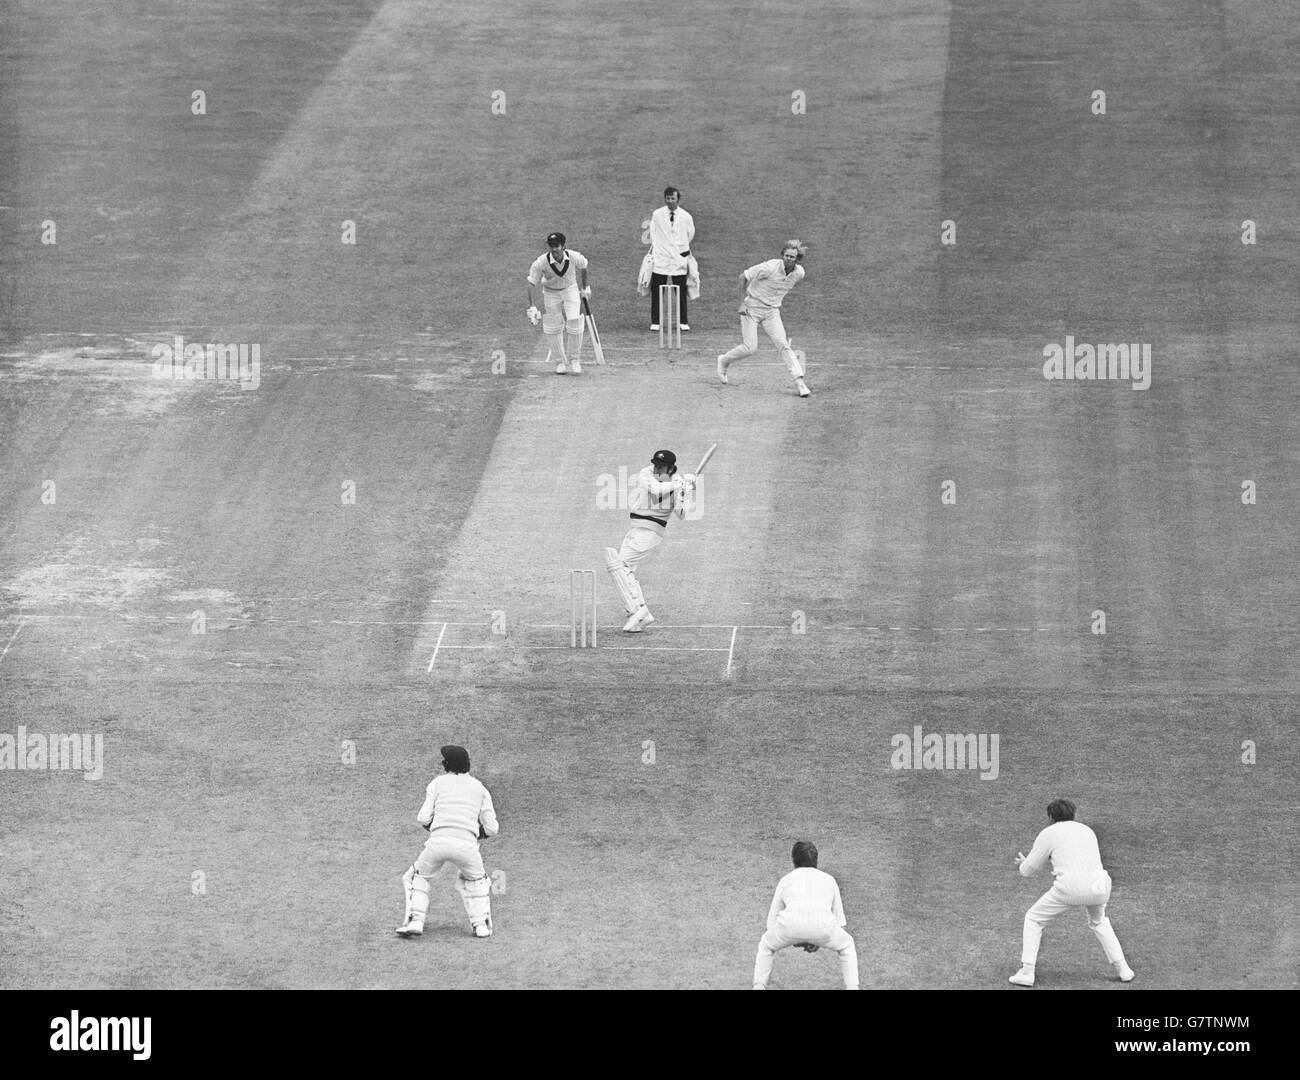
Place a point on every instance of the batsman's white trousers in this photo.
(637, 546)
(794, 928)
(561, 308)
(770, 320)
(1092, 895)
(449, 847)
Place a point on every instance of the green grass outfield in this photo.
(825, 600)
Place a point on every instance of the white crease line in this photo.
(243, 619)
(603, 648)
(436, 645)
(731, 652)
(11, 640)
(655, 648)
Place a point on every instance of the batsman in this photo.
(657, 493)
(561, 275)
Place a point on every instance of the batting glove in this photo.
(534, 316)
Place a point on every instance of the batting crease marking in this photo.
(437, 644)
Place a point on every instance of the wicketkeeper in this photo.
(458, 812)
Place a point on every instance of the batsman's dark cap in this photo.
(664, 457)
(455, 758)
(555, 238)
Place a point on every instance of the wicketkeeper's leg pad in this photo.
(476, 894)
(416, 888)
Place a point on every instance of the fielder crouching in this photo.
(458, 812)
(807, 912)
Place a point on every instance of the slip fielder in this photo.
(562, 276)
(656, 494)
(457, 811)
(762, 288)
(1080, 882)
(806, 911)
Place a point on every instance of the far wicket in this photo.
(670, 315)
(582, 590)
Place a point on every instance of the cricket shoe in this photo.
(1023, 977)
(575, 368)
(653, 327)
(1124, 972)
(561, 368)
(685, 327)
(638, 620)
(483, 929)
(722, 369)
(802, 387)
(410, 929)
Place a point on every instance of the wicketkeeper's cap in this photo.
(555, 238)
(455, 759)
(665, 458)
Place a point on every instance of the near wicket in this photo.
(670, 315)
(579, 581)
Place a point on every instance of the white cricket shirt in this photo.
(458, 801)
(1071, 846)
(652, 498)
(769, 283)
(543, 272)
(807, 893)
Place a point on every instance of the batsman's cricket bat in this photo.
(597, 351)
(705, 460)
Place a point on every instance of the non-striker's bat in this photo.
(595, 334)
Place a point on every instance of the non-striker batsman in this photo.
(562, 276)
